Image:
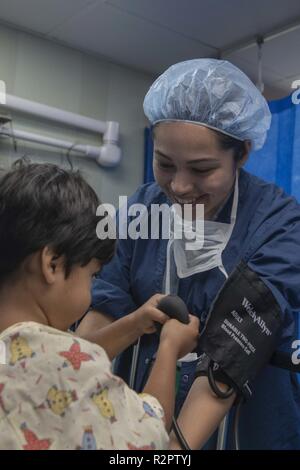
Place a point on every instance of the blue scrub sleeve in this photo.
(111, 289)
(274, 255)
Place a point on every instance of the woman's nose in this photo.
(181, 185)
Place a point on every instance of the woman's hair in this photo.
(45, 205)
(227, 142)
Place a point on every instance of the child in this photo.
(57, 390)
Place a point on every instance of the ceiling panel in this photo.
(274, 88)
(150, 35)
(40, 15)
(280, 60)
(248, 61)
(217, 23)
(127, 39)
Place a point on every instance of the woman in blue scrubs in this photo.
(206, 117)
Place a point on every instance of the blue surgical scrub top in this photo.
(267, 237)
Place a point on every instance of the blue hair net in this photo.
(213, 93)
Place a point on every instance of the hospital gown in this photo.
(57, 391)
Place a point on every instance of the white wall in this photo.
(39, 70)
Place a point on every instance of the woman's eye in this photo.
(202, 171)
(165, 166)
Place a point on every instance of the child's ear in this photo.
(51, 264)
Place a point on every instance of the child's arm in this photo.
(176, 340)
(201, 414)
(92, 321)
(116, 336)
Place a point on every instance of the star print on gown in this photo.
(33, 442)
(75, 356)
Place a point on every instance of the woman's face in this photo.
(190, 166)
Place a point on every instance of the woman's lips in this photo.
(199, 200)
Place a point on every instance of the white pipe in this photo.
(15, 103)
(109, 129)
(31, 137)
(2, 92)
(111, 133)
(107, 155)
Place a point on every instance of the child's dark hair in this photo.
(45, 205)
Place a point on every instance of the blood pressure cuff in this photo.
(203, 364)
(242, 329)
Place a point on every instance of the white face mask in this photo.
(209, 256)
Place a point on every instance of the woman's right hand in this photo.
(183, 338)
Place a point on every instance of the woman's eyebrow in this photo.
(161, 154)
(197, 160)
(203, 160)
